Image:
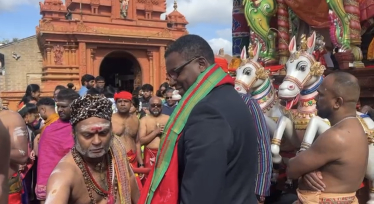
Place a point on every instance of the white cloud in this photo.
(225, 33)
(207, 11)
(218, 43)
(10, 4)
(195, 11)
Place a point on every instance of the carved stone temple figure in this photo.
(124, 8)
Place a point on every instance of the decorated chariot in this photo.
(283, 75)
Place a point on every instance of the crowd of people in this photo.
(50, 132)
(103, 145)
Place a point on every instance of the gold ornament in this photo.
(303, 43)
(317, 69)
(261, 73)
(251, 51)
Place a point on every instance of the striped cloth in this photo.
(240, 28)
(263, 179)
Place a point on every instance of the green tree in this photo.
(5, 41)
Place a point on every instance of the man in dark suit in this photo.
(209, 144)
(217, 152)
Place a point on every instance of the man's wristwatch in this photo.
(140, 165)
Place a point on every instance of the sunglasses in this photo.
(155, 105)
(167, 98)
(176, 71)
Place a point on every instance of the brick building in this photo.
(22, 65)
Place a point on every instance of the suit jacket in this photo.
(217, 151)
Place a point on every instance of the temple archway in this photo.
(121, 70)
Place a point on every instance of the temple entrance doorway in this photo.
(121, 70)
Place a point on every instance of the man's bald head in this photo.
(338, 94)
(155, 99)
(346, 86)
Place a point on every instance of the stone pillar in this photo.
(48, 49)
(92, 61)
(134, 16)
(82, 59)
(162, 68)
(151, 71)
(66, 54)
(73, 55)
(49, 58)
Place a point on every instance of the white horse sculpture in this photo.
(300, 65)
(304, 75)
(253, 79)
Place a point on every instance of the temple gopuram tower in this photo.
(121, 40)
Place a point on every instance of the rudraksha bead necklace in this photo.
(90, 182)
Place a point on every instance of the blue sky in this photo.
(207, 18)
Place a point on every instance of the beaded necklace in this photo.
(90, 182)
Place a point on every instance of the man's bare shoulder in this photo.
(115, 116)
(331, 135)
(6, 112)
(163, 116)
(66, 168)
(340, 136)
(8, 116)
(350, 130)
(134, 118)
(62, 180)
(145, 118)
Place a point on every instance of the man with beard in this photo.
(340, 154)
(55, 142)
(88, 82)
(15, 128)
(125, 127)
(96, 170)
(47, 111)
(169, 104)
(46, 108)
(150, 130)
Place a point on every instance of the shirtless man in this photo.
(4, 163)
(150, 131)
(19, 152)
(125, 126)
(340, 154)
(96, 170)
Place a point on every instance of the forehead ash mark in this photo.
(95, 127)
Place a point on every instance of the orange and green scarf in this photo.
(163, 188)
